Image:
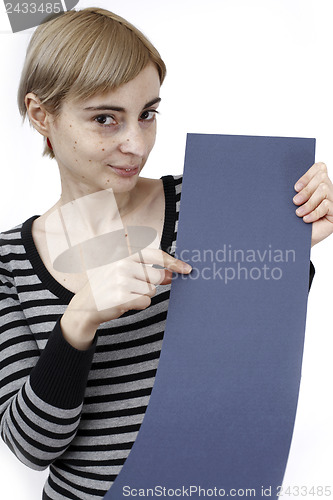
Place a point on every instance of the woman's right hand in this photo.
(114, 289)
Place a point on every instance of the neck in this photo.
(82, 219)
(84, 211)
(123, 202)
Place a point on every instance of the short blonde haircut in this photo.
(81, 53)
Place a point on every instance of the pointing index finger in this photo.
(156, 256)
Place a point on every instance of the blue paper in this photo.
(222, 410)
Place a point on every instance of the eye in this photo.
(105, 120)
(148, 115)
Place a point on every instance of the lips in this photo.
(125, 171)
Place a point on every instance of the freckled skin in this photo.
(126, 140)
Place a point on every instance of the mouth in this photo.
(125, 171)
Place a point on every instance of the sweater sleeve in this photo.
(41, 394)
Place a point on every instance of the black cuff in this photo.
(60, 375)
(312, 273)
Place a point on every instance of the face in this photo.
(104, 142)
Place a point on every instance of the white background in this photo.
(252, 67)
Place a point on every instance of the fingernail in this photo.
(298, 186)
(300, 211)
(187, 268)
(297, 198)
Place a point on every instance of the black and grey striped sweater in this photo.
(78, 412)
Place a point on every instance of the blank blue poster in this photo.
(222, 410)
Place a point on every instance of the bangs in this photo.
(92, 56)
(115, 57)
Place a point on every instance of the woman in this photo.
(70, 398)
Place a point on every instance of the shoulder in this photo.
(176, 179)
(13, 236)
(173, 182)
(10, 238)
(11, 250)
(169, 185)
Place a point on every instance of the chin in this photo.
(122, 185)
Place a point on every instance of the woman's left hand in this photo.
(315, 197)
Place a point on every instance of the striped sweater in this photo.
(78, 412)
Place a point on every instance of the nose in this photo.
(133, 141)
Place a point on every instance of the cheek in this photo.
(80, 145)
(151, 139)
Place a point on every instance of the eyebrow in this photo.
(105, 107)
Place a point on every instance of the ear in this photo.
(38, 116)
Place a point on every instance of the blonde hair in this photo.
(81, 53)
